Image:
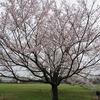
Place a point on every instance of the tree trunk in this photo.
(54, 92)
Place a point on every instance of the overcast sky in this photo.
(75, 1)
(71, 1)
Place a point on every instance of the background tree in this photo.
(42, 42)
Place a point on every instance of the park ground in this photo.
(43, 92)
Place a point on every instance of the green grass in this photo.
(43, 92)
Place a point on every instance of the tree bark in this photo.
(54, 92)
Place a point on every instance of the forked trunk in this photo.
(54, 92)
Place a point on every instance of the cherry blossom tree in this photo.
(41, 42)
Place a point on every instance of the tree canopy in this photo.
(47, 43)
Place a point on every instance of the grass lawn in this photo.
(43, 92)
